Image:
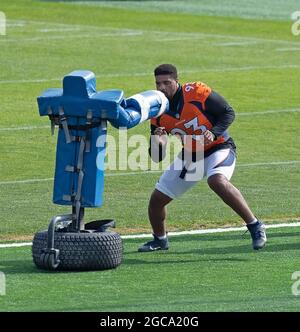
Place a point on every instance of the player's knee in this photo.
(158, 200)
(217, 182)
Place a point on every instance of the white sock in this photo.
(162, 237)
(253, 222)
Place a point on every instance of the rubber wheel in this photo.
(80, 251)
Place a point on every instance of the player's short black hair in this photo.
(166, 69)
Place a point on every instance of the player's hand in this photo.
(161, 136)
(209, 137)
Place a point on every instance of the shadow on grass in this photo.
(25, 266)
(246, 249)
(282, 234)
(28, 267)
(219, 237)
(172, 256)
(236, 236)
(132, 261)
(240, 249)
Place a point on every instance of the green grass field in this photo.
(213, 272)
(249, 56)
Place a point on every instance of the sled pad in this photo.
(81, 114)
(79, 95)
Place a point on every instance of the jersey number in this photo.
(190, 124)
(194, 124)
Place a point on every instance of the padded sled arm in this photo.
(140, 107)
(79, 96)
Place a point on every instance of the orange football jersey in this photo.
(191, 120)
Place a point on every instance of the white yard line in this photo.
(241, 43)
(211, 230)
(191, 71)
(173, 34)
(34, 80)
(274, 163)
(294, 49)
(71, 36)
(59, 29)
(15, 245)
(193, 232)
(195, 35)
(24, 128)
(26, 181)
(291, 110)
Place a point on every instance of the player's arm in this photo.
(158, 143)
(223, 113)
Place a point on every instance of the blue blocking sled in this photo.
(82, 114)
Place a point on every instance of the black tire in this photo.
(80, 251)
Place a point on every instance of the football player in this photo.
(200, 117)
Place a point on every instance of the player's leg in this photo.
(220, 167)
(157, 212)
(231, 196)
(172, 184)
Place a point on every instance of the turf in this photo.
(213, 272)
(247, 9)
(246, 60)
(249, 56)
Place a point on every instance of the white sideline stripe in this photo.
(23, 128)
(292, 110)
(287, 49)
(197, 70)
(38, 80)
(26, 181)
(197, 35)
(10, 25)
(211, 230)
(74, 26)
(199, 231)
(275, 163)
(60, 30)
(242, 43)
(15, 245)
(71, 36)
(55, 24)
(151, 32)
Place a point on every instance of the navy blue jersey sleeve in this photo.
(152, 129)
(222, 112)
